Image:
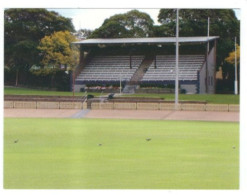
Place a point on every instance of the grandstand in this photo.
(137, 61)
(110, 68)
(189, 65)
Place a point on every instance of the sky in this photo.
(94, 18)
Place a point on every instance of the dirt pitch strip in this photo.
(123, 114)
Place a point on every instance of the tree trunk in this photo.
(16, 78)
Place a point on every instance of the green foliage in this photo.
(90, 96)
(231, 58)
(56, 50)
(229, 69)
(43, 78)
(9, 76)
(65, 154)
(194, 22)
(49, 78)
(23, 29)
(130, 24)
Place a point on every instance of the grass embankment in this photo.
(209, 98)
(27, 91)
(64, 154)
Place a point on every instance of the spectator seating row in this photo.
(165, 68)
(110, 68)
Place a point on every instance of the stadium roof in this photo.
(150, 40)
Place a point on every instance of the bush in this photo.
(9, 76)
(89, 96)
(57, 79)
(111, 96)
(224, 86)
(183, 91)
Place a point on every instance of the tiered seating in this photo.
(165, 68)
(110, 68)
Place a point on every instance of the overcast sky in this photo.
(93, 18)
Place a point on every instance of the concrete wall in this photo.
(102, 106)
(8, 104)
(124, 106)
(211, 71)
(26, 104)
(44, 105)
(70, 105)
(47, 105)
(147, 106)
(169, 106)
(121, 106)
(165, 106)
(234, 108)
(202, 76)
(217, 107)
(190, 88)
(78, 87)
(211, 63)
(193, 107)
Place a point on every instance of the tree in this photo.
(194, 22)
(131, 24)
(230, 63)
(231, 57)
(56, 51)
(82, 34)
(23, 29)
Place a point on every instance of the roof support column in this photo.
(207, 77)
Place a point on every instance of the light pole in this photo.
(236, 74)
(120, 83)
(177, 58)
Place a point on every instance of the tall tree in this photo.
(230, 63)
(56, 50)
(231, 57)
(23, 29)
(194, 22)
(131, 24)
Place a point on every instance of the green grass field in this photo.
(210, 98)
(27, 91)
(64, 154)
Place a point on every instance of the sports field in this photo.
(114, 154)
